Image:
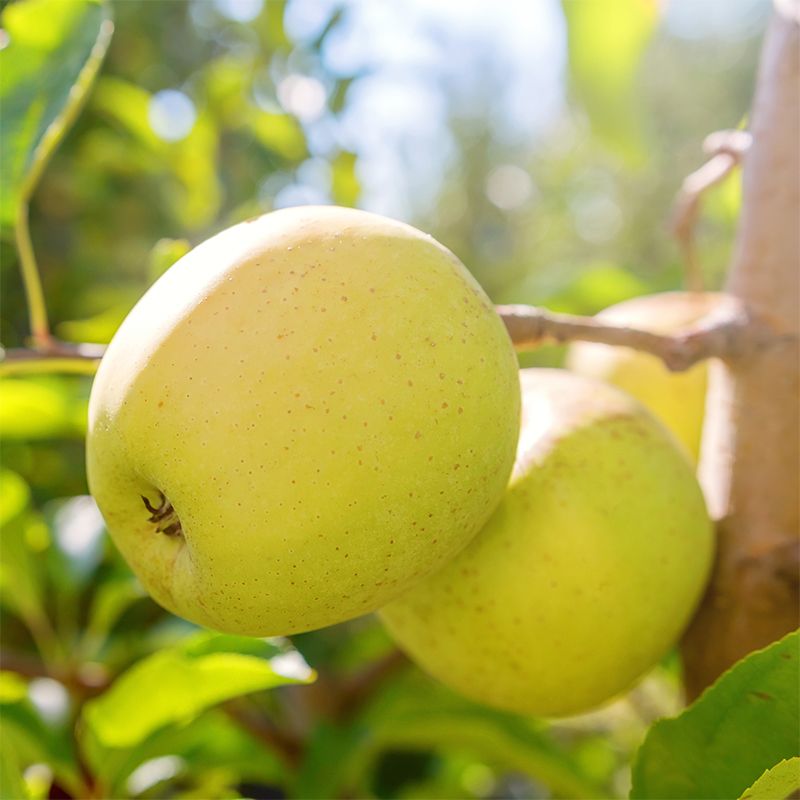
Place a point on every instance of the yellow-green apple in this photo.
(304, 416)
(677, 398)
(587, 572)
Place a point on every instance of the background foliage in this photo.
(543, 144)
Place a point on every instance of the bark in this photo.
(750, 458)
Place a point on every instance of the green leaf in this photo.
(32, 742)
(21, 580)
(741, 726)
(606, 42)
(112, 598)
(598, 286)
(14, 496)
(42, 408)
(12, 785)
(13, 687)
(212, 742)
(344, 183)
(778, 783)
(175, 685)
(164, 254)
(53, 53)
(280, 133)
(191, 161)
(415, 714)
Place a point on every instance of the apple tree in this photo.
(572, 508)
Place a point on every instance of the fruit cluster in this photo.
(315, 414)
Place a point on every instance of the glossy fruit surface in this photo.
(301, 418)
(587, 572)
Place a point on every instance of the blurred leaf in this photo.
(21, 584)
(53, 53)
(42, 408)
(272, 23)
(111, 599)
(164, 254)
(178, 684)
(12, 786)
(99, 328)
(191, 160)
(14, 496)
(606, 42)
(32, 742)
(345, 184)
(13, 687)
(598, 286)
(212, 742)
(280, 133)
(416, 714)
(744, 724)
(724, 201)
(778, 783)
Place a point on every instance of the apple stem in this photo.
(163, 516)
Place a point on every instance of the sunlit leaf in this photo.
(191, 160)
(213, 741)
(781, 782)
(710, 750)
(53, 53)
(175, 685)
(112, 598)
(418, 715)
(164, 253)
(606, 42)
(280, 133)
(13, 687)
(598, 286)
(99, 328)
(21, 578)
(14, 496)
(345, 185)
(12, 785)
(32, 742)
(42, 408)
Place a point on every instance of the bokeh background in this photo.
(542, 142)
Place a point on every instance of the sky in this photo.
(420, 60)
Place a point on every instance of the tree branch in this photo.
(726, 149)
(54, 356)
(728, 333)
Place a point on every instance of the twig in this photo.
(76, 677)
(358, 689)
(726, 149)
(728, 332)
(52, 356)
(277, 740)
(37, 308)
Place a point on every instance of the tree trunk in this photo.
(751, 446)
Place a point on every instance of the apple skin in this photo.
(676, 398)
(329, 403)
(587, 572)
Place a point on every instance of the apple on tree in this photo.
(587, 572)
(676, 398)
(304, 416)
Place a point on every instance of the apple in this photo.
(676, 398)
(305, 415)
(586, 573)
